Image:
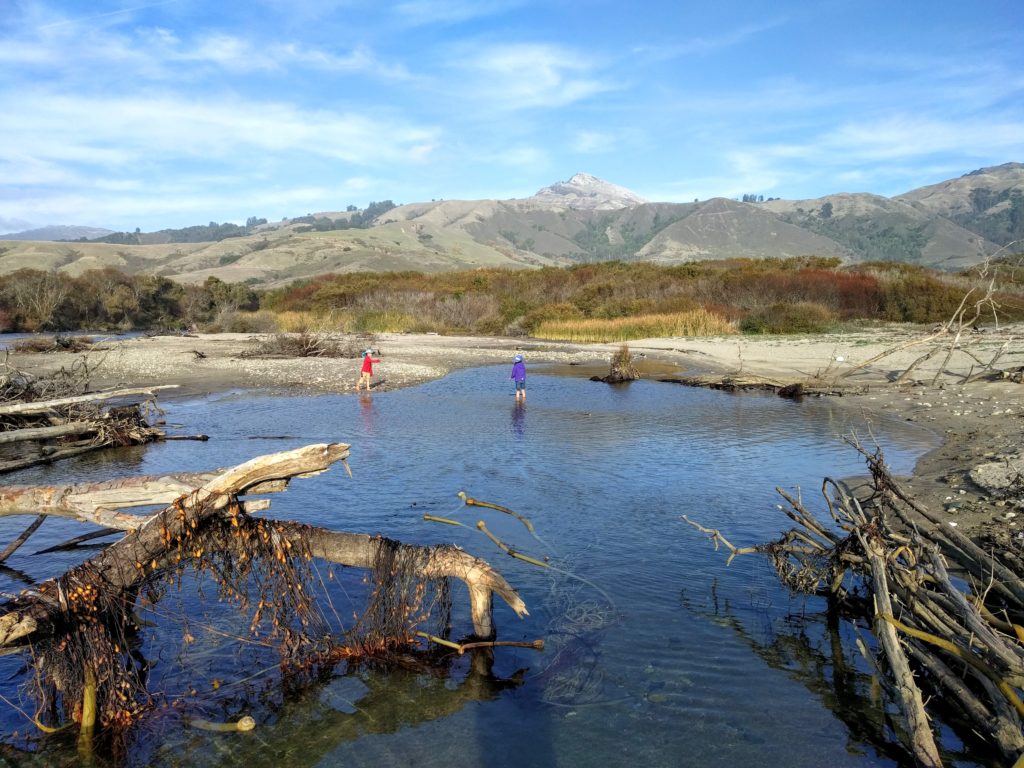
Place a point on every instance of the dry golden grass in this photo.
(697, 322)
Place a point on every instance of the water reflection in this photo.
(607, 475)
(519, 419)
(366, 410)
(317, 728)
(818, 649)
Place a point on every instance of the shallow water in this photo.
(7, 340)
(657, 654)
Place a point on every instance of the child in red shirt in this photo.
(366, 373)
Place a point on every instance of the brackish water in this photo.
(657, 654)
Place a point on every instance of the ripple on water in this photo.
(671, 671)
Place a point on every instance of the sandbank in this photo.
(978, 422)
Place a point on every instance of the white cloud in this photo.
(520, 156)
(118, 130)
(707, 44)
(185, 201)
(907, 136)
(95, 56)
(527, 75)
(93, 19)
(592, 142)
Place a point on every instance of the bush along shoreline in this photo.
(605, 302)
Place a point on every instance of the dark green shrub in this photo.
(919, 299)
(783, 317)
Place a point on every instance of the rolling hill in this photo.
(951, 225)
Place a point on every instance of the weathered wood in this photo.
(117, 566)
(925, 750)
(127, 562)
(892, 552)
(750, 383)
(943, 331)
(16, 544)
(49, 433)
(99, 503)
(42, 406)
(361, 551)
(96, 502)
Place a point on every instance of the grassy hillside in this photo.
(947, 226)
(988, 202)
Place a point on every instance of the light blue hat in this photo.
(517, 359)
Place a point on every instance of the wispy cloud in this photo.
(424, 12)
(243, 55)
(83, 53)
(14, 225)
(886, 156)
(705, 44)
(519, 156)
(529, 75)
(91, 18)
(592, 142)
(186, 198)
(907, 136)
(173, 105)
(118, 129)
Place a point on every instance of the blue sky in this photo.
(128, 114)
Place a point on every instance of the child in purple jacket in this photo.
(519, 377)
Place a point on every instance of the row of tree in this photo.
(497, 301)
(214, 232)
(200, 233)
(355, 219)
(106, 299)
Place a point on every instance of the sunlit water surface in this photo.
(656, 653)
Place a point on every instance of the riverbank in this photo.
(979, 423)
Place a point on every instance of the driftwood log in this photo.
(147, 545)
(77, 626)
(959, 643)
(46, 406)
(43, 431)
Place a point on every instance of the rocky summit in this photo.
(584, 192)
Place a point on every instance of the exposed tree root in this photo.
(81, 626)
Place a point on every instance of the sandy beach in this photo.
(979, 423)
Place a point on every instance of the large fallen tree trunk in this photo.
(79, 624)
(147, 548)
(101, 502)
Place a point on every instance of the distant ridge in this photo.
(59, 232)
(950, 225)
(584, 192)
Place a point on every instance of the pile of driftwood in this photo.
(956, 339)
(44, 431)
(44, 419)
(947, 616)
(78, 629)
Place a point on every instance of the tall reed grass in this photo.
(697, 322)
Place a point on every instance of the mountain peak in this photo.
(589, 193)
